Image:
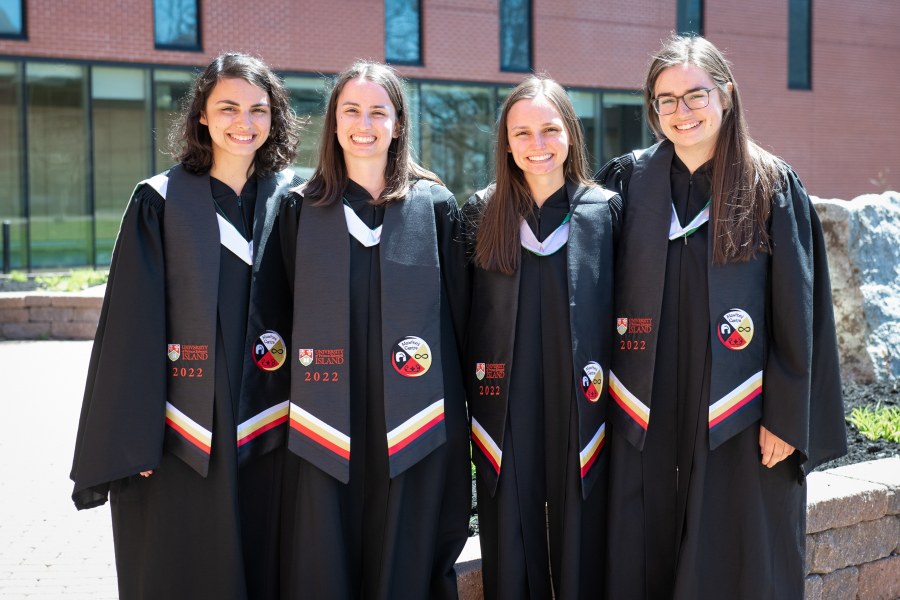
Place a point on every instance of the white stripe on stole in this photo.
(234, 241)
(365, 236)
(554, 241)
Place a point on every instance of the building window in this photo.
(403, 32)
(177, 24)
(690, 17)
(12, 200)
(60, 224)
(12, 18)
(799, 44)
(515, 35)
(170, 88)
(120, 121)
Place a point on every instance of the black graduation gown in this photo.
(377, 537)
(177, 534)
(686, 522)
(539, 538)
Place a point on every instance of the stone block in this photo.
(86, 315)
(13, 315)
(841, 584)
(73, 330)
(867, 541)
(880, 580)
(38, 300)
(468, 580)
(834, 501)
(812, 588)
(78, 301)
(11, 300)
(49, 314)
(25, 331)
(885, 472)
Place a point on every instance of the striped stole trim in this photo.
(189, 429)
(320, 432)
(415, 427)
(234, 241)
(487, 445)
(588, 456)
(736, 399)
(628, 402)
(263, 422)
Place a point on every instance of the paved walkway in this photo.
(48, 550)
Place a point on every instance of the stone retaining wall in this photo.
(50, 315)
(852, 536)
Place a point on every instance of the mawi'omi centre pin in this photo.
(592, 381)
(735, 329)
(411, 356)
(269, 351)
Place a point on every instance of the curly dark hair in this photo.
(189, 140)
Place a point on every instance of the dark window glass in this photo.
(403, 32)
(169, 88)
(624, 126)
(456, 134)
(177, 24)
(12, 18)
(515, 35)
(799, 44)
(12, 203)
(59, 217)
(689, 17)
(308, 97)
(121, 128)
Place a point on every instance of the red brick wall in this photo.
(835, 136)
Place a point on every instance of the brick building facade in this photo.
(86, 90)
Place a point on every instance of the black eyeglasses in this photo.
(696, 99)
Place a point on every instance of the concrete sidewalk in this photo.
(48, 550)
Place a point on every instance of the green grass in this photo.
(74, 281)
(877, 423)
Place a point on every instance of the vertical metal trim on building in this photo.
(26, 187)
(88, 97)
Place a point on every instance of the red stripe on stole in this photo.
(319, 439)
(262, 430)
(593, 459)
(187, 435)
(487, 454)
(628, 409)
(415, 435)
(753, 394)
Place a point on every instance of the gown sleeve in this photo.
(289, 223)
(801, 383)
(456, 272)
(614, 176)
(120, 432)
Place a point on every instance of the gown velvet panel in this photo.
(177, 534)
(539, 538)
(686, 522)
(377, 537)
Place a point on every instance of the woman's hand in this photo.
(150, 472)
(773, 448)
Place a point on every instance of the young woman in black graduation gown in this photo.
(377, 483)
(725, 373)
(165, 429)
(539, 354)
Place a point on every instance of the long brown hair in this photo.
(329, 180)
(744, 176)
(190, 142)
(497, 241)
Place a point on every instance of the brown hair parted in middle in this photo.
(189, 140)
(744, 176)
(497, 246)
(330, 178)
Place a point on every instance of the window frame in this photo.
(181, 47)
(23, 30)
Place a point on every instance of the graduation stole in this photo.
(266, 381)
(737, 325)
(495, 301)
(411, 345)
